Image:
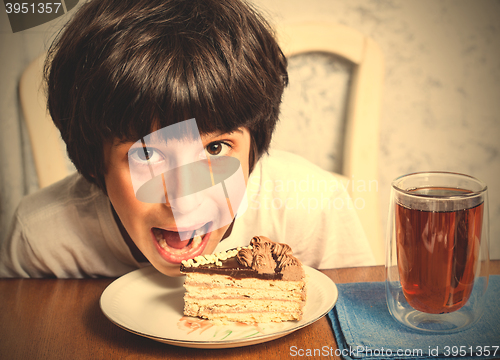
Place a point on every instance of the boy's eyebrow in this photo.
(220, 133)
(121, 142)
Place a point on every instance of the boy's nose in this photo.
(185, 204)
(184, 186)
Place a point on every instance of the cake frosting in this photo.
(261, 282)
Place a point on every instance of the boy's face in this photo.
(164, 230)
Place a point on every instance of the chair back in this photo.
(49, 154)
(331, 110)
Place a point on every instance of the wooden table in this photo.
(61, 319)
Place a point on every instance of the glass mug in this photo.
(437, 251)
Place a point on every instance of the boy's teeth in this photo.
(162, 242)
(197, 240)
(201, 231)
(159, 235)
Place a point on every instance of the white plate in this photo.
(148, 303)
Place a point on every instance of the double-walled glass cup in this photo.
(437, 251)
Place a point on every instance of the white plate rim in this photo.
(117, 284)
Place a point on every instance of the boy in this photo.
(122, 72)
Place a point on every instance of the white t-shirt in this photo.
(67, 230)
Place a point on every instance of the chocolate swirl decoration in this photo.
(281, 251)
(268, 257)
(289, 261)
(245, 257)
(263, 260)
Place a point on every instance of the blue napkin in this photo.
(364, 328)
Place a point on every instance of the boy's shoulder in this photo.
(65, 230)
(56, 198)
(284, 165)
(282, 156)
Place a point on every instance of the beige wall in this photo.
(441, 100)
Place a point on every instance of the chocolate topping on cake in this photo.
(275, 256)
(281, 251)
(245, 257)
(263, 259)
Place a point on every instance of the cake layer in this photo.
(195, 305)
(248, 317)
(204, 292)
(193, 279)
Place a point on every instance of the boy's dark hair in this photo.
(123, 68)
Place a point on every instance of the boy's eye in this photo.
(143, 155)
(217, 148)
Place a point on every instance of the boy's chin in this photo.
(173, 271)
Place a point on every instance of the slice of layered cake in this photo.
(263, 282)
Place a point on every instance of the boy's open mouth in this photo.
(174, 250)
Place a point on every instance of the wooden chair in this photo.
(51, 161)
(357, 161)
